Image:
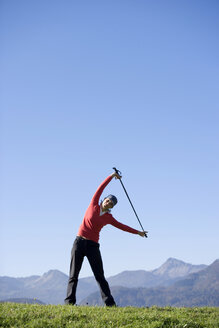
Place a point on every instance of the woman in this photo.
(86, 243)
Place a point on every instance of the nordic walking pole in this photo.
(119, 173)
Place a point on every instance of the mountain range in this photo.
(196, 289)
(22, 300)
(139, 287)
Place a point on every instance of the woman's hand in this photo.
(143, 233)
(116, 175)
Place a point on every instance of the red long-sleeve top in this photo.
(93, 222)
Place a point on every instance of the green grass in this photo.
(43, 316)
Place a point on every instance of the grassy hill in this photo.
(53, 316)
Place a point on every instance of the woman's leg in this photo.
(95, 260)
(77, 257)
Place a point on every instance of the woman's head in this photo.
(109, 202)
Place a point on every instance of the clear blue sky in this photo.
(88, 85)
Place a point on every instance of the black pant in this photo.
(81, 248)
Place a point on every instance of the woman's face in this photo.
(107, 204)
